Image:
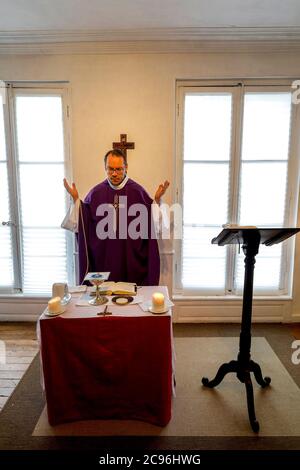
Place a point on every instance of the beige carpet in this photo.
(199, 411)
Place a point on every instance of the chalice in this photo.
(99, 299)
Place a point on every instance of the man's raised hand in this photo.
(72, 190)
(162, 188)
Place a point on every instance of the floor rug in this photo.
(199, 411)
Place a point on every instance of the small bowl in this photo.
(122, 300)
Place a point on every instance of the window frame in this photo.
(20, 88)
(238, 87)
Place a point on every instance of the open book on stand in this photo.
(239, 227)
(118, 288)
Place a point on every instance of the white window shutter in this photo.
(40, 164)
(6, 259)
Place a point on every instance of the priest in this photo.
(129, 255)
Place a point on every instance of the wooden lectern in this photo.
(249, 238)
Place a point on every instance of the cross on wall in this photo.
(123, 144)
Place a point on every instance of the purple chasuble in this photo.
(127, 259)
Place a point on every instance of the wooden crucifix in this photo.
(123, 144)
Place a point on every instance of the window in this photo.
(34, 250)
(236, 163)
(6, 258)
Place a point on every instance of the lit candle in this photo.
(158, 301)
(54, 305)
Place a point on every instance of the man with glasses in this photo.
(114, 226)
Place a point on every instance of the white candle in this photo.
(54, 305)
(158, 301)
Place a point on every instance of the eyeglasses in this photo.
(109, 169)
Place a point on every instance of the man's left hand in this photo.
(162, 188)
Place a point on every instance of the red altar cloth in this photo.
(110, 367)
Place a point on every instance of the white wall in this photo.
(135, 94)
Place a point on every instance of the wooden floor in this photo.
(296, 330)
(18, 346)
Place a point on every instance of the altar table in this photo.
(116, 366)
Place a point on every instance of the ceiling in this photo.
(137, 14)
(67, 21)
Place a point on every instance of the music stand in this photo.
(250, 238)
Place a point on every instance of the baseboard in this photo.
(231, 312)
(18, 317)
(271, 311)
(21, 310)
(296, 318)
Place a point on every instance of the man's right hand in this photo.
(72, 190)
